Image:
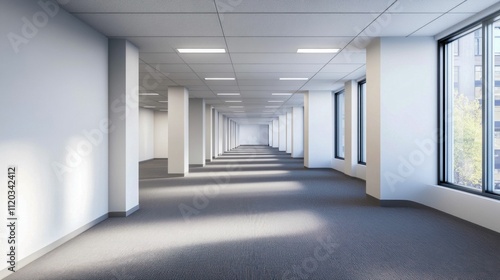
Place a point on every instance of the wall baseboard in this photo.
(25, 261)
(121, 214)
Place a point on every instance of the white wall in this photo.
(146, 134)
(161, 135)
(406, 112)
(254, 134)
(54, 125)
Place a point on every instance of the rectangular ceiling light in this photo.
(233, 101)
(235, 106)
(163, 101)
(148, 93)
(228, 94)
(272, 106)
(238, 111)
(275, 101)
(219, 79)
(317, 50)
(284, 93)
(294, 79)
(201, 50)
(149, 107)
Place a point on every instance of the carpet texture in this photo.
(256, 213)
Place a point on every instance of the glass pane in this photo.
(362, 102)
(340, 115)
(496, 78)
(465, 103)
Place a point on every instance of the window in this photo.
(339, 125)
(362, 122)
(470, 104)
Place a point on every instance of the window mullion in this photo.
(488, 107)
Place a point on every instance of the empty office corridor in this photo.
(256, 213)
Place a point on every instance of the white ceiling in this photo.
(262, 38)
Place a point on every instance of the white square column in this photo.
(215, 134)
(221, 134)
(123, 63)
(275, 133)
(208, 133)
(270, 134)
(289, 132)
(297, 132)
(197, 131)
(282, 133)
(178, 131)
(401, 114)
(318, 128)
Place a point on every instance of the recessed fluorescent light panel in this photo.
(233, 101)
(227, 94)
(294, 79)
(282, 93)
(149, 107)
(317, 50)
(235, 106)
(163, 101)
(219, 79)
(148, 93)
(275, 101)
(272, 106)
(201, 50)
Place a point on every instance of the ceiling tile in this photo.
(283, 44)
(398, 24)
(205, 58)
(333, 67)
(347, 57)
(123, 25)
(423, 6)
(474, 6)
(293, 24)
(282, 58)
(295, 68)
(269, 75)
(444, 22)
(155, 6)
(156, 58)
(170, 44)
(301, 6)
(216, 68)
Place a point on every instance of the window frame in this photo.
(361, 124)
(488, 68)
(336, 124)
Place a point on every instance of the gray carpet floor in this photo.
(255, 213)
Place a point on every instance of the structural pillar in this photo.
(297, 132)
(197, 131)
(208, 133)
(282, 133)
(123, 61)
(275, 133)
(289, 132)
(178, 131)
(318, 129)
